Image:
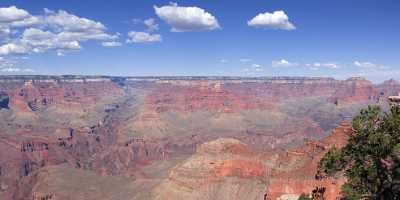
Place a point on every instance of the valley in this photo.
(100, 137)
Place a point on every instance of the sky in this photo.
(339, 38)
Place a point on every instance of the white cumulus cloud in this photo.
(283, 63)
(69, 22)
(40, 41)
(53, 30)
(186, 19)
(143, 37)
(318, 65)
(12, 48)
(367, 65)
(22, 33)
(4, 32)
(30, 21)
(275, 20)
(151, 24)
(12, 13)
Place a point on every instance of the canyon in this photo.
(101, 137)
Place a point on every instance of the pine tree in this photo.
(371, 159)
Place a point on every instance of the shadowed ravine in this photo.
(86, 137)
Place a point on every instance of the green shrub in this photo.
(371, 159)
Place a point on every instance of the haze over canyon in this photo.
(214, 138)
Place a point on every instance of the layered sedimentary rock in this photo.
(294, 171)
(141, 128)
(220, 169)
(229, 169)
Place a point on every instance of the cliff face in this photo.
(220, 169)
(31, 95)
(136, 127)
(44, 125)
(233, 96)
(293, 173)
(229, 169)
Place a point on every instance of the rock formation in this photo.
(153, 132)
(229, 169)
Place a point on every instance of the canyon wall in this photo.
(138, 127)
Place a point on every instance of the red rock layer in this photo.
(167, 97)
(290, 172)
(295, 170)
(31, 95)
(101, 145)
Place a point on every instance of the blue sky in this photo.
(338, 38)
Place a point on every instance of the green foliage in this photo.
(351, 192)
(332, 162)
(371, 159)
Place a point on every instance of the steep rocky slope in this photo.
(141, 128)
(229, 169)
(221, 169)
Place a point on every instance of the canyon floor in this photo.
(99, 137)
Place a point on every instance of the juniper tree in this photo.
(371, 159)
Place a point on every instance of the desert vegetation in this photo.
(371, 159)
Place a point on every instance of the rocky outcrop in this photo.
(294, 171)
(227, 168)
(126, 159)
(37, 94)
(220, 169)
(39, 196)
(140, 127)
